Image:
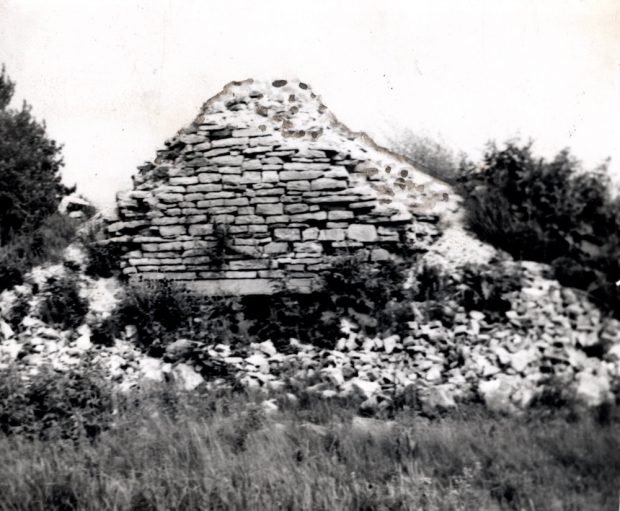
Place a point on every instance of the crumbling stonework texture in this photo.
(265, 187)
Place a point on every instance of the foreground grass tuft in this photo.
(173, 451)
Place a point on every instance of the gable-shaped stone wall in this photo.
(237, 202)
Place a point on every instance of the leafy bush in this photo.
(30, 186)
(163, 312)
(45, 244)
(483, 288)
(63, 306)
(103, 257)
(549, 211)
(371, 294)
(55, 405)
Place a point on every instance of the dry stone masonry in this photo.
(266, 186)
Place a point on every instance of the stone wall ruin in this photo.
(264, 187)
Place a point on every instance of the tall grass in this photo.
(173, 451)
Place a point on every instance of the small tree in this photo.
(30, 187)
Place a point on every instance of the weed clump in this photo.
(62, 305)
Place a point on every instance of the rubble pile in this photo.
(552, 337)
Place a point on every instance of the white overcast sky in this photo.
(114, 79)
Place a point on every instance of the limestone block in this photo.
(276, 247)
(246, 210)
(229, 170)
(223, 219)
(249, 264)
(197, 162)
(119, 226)
(308, 247)
(209, 177)
(269, 191)
(237, 201)
(306, 166)
(204, 188)
(337, 173)
(306, 217)
(192, 139)
(296, 208)
(251, 177)
(231, 179)
(258, 229)
(362, 232)
(233, 161)
(233, 287)
(169, 275)
(257, 149)
(168, 220)
(249, 219)
(222, 210)
(299, 175)
(333, 199)
(298, 185)
(252, 165)
(270, 176)
(195, 219)
(325, 183)
(216, 152)
(172, 230)
(332, 235)
(203, 146)
(264, 200)
(157, 247)
(269, 209)
(379, 254)
(287, 234)
(277, 219)
(310, 234)
(192, 180)
(204, 204)
(227, 142)
(194, 197)
(367, 204)
(171, 189)
(169, 197)
(339, 215)
(200, 229)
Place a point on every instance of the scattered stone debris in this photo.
(547, 339)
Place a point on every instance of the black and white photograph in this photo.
(326, 255)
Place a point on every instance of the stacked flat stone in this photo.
(265, 186)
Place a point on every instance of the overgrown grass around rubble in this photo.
(206, 450)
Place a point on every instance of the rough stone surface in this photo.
(257, 169)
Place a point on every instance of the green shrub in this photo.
(103, 257)
(45, 244)
(55, 405)
(62, 305)
(483, 288)
(372, 294)
(30, 163)
(548, 211)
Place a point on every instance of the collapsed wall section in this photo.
(258, 192)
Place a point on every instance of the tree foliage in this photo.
(550, 211)
(30, 162)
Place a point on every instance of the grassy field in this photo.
(170, 451)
